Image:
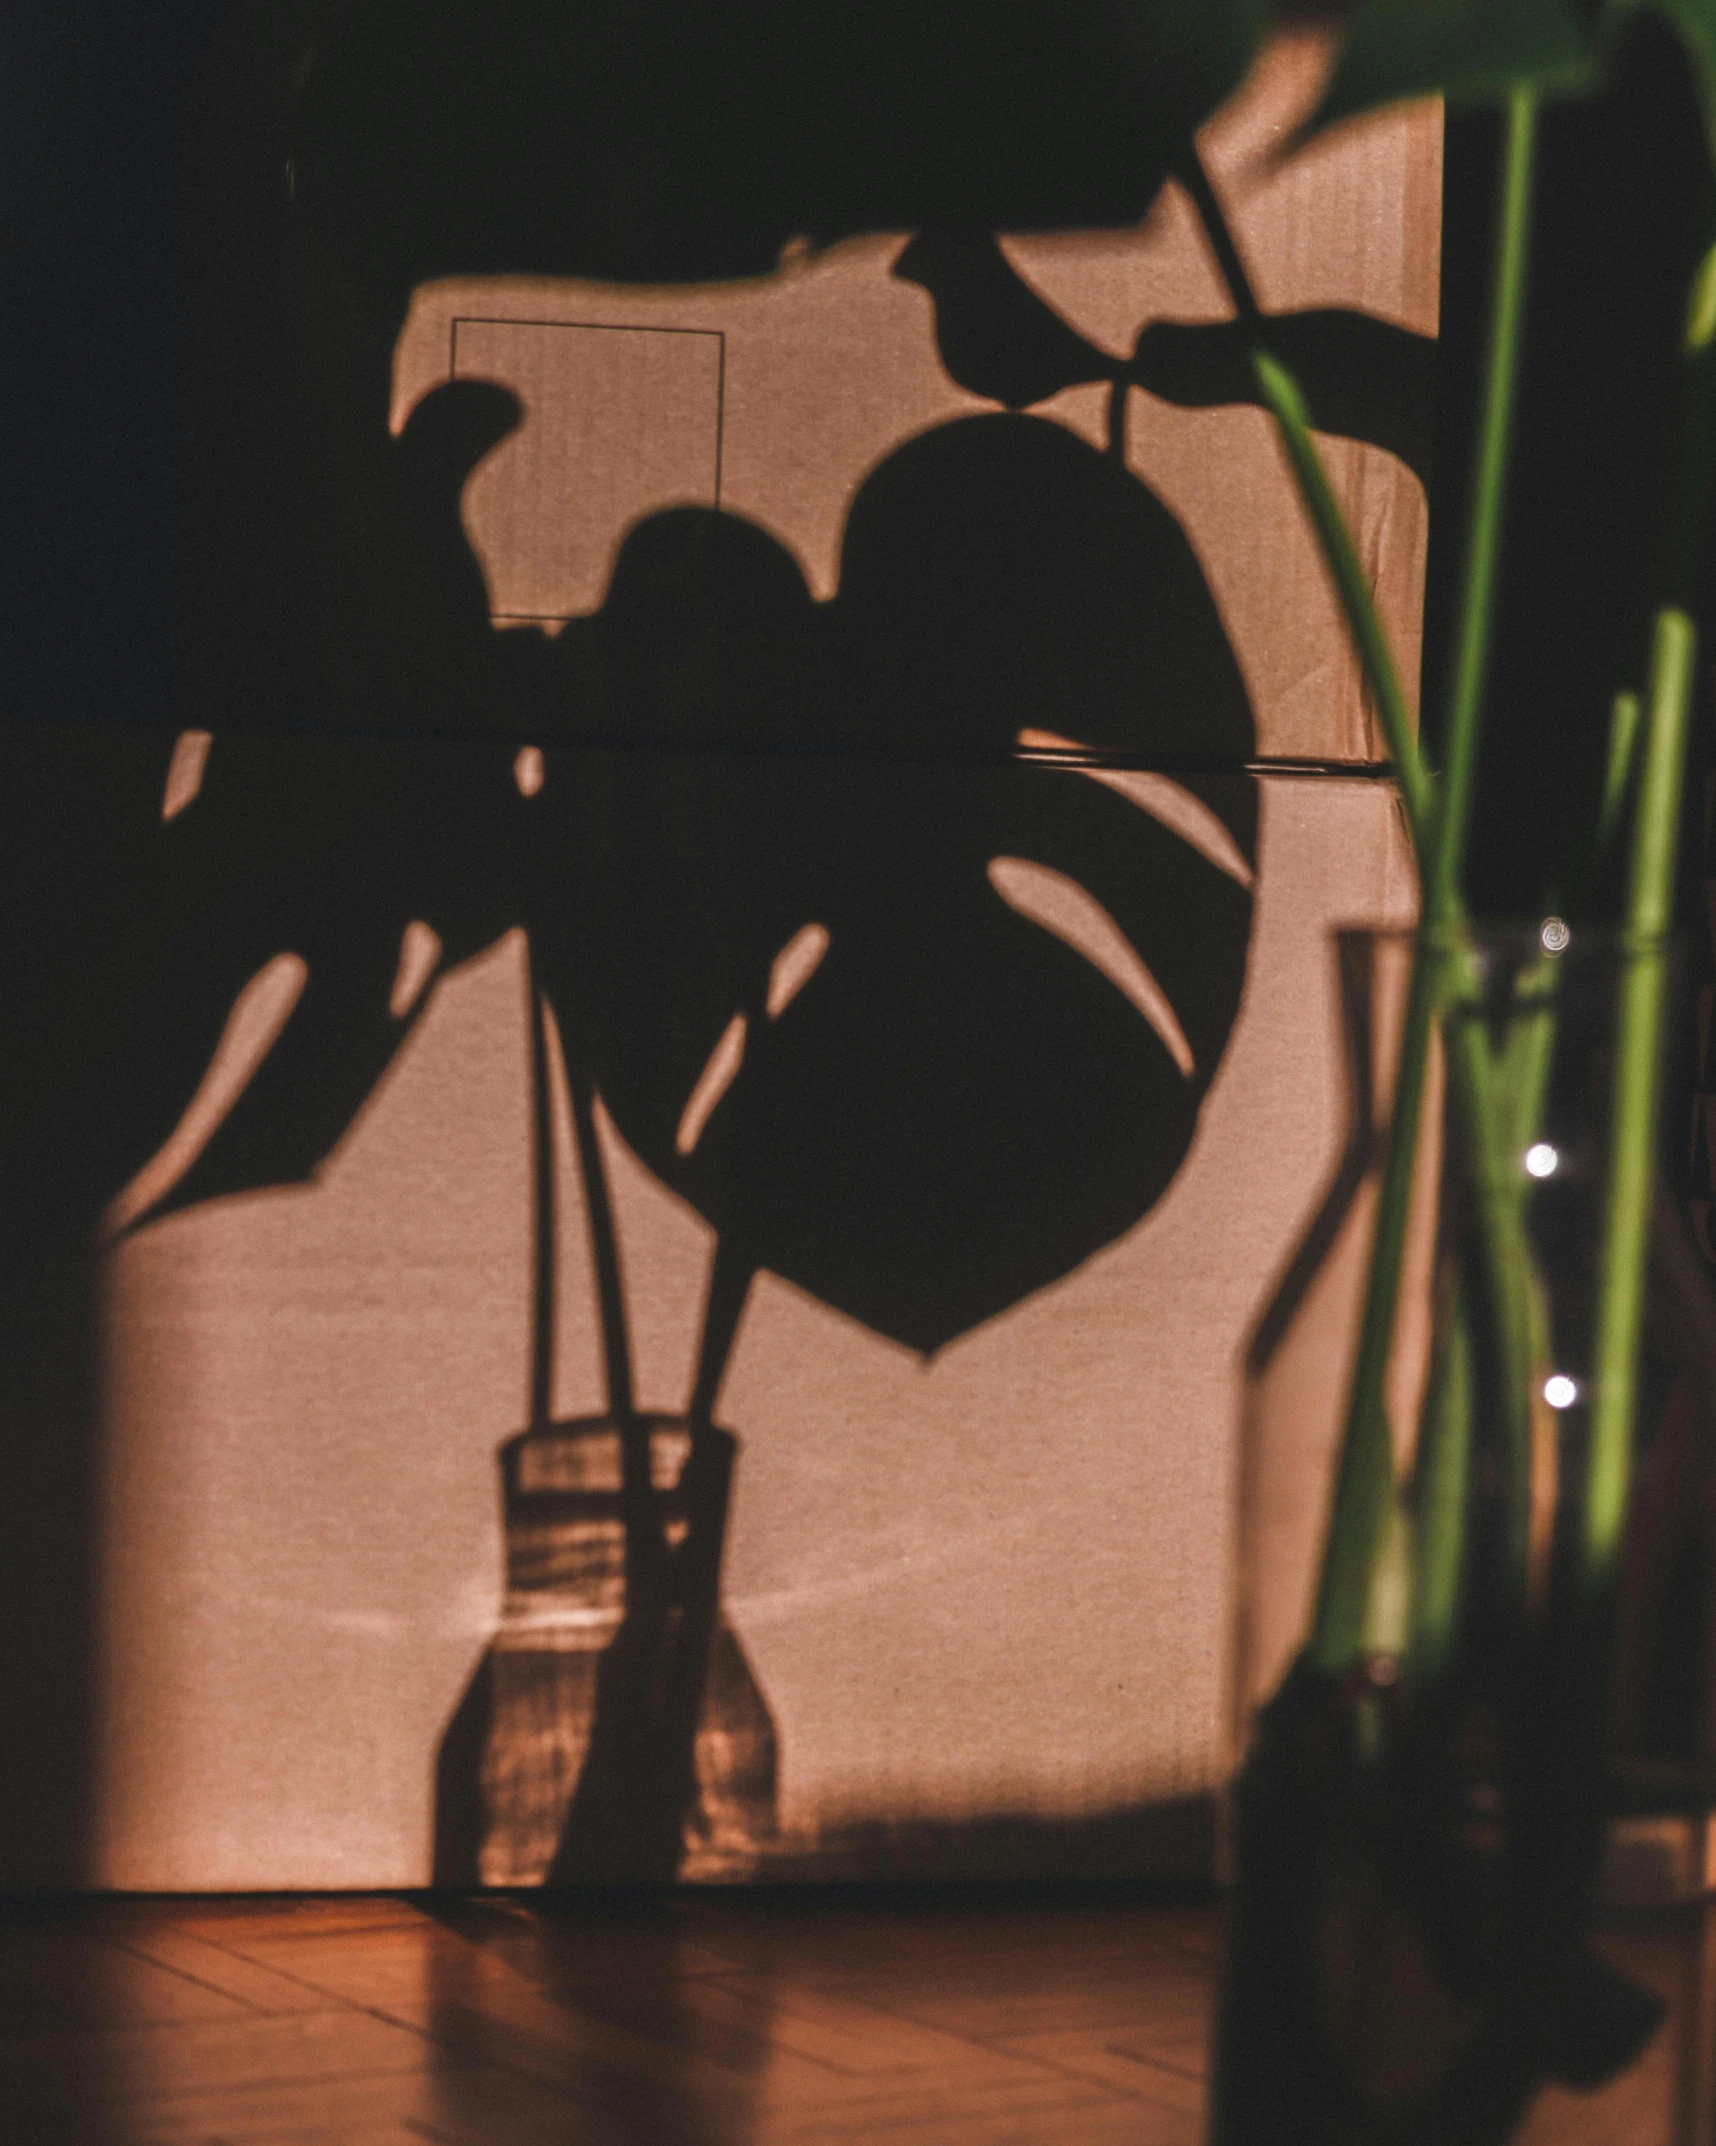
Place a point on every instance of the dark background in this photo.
(1624, 209)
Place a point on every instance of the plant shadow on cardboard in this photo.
(957, 1108)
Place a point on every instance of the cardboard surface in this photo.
(993, 1583)
(909, 808)
(778, 399)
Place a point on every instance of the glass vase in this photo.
(1417, 1829)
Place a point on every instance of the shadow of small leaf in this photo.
(996, 337)
(1364, 379)
(707, 633)
(327, 849)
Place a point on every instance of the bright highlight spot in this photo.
(1560, 1391)
(1554, 936)
(1541, 1159)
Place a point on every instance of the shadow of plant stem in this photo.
(636, 1789)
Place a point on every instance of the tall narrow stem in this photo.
(604, 1244)
(1340, 556)
(1632, 1129)
(1364, 1482)
(542, 1304)
(1364, 1486)
(1214, 221)
(1488, 505)
(1644, 979)
(1438, 816)
(728, 1286)
(645, 1547)
(1690, 501)
(1624, 718)
(1442, 1486)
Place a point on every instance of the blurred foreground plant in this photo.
(1420, 1817)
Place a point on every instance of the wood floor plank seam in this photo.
(142, 1952)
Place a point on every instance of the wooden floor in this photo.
(698, 2020)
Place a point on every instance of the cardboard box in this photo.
(932, 881)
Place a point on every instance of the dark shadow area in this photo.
(684, 145)
(212, 526)
(1598, 404)
(973, 1098)
(1168, 1842)
(955, 1106)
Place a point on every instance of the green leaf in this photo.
(1695, 21)
(1470, 51)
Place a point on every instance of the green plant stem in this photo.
(1632, 1129)
(1624, 720)
(1340, 556)
(1644, 977)
(1489, 500)
(1479, 1086)
(1510, 1298)
(1440, 1491)
(1438, 816)
(1690, 502)
(1364, 1477)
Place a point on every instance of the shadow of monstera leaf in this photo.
(375, 868)
(919, 1036)
(315, 884)
(367, 866)
(999, 576)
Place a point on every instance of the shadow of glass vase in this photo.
(514, 1780)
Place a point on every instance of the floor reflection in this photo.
(706, 2017)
